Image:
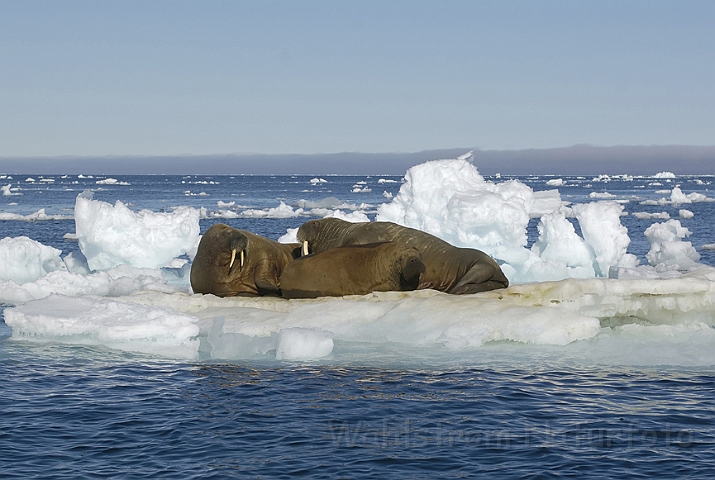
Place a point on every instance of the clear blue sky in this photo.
(202, 77)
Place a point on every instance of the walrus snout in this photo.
(237, 243)
(412, 269)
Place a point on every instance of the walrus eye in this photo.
(304, 252)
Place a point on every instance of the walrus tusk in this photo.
(305, 248)
(233, 259)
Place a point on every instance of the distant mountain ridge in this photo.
(574, 160)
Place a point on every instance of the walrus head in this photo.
(321, 234)
(232, 262)
(412, 269)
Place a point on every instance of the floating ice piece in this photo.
(386, 180)
(708, 246)
(555, 182)
(643, 321)
(113, 235)
(601, 195)
(650, 216)
(664, 175)
(24, 260)
(667, 249)
(422, 318)
(386, 194)
(222, 214)
(38, 216)
(316, 181)
(225, 204)
(281, 211)
(677, 197)
(122, 326)
(355, 217)
(8, 190)
(685, 214)
(111, 181)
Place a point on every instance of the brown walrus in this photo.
(448, 268)
(231, 262)
(353, 270)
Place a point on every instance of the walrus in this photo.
(353, 270)
(448, 268)
(231, 262)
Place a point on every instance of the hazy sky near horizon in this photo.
(209, 77)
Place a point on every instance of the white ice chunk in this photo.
(7, 190)
(289, 236)
(564, 254)
(677, 197)
(667, 248)
(355, 217)
(603, 232)
(113, 235)
(281, 211)
(651, 216)
(601, 195)
(38, 216)
(24, 260)
(111, 181)
(685, 214)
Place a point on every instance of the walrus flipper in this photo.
(266, 280)
(482, 277)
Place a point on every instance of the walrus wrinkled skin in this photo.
(353, 270)
(448, 268)
(231, 262)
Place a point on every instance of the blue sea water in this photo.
(84, 412)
